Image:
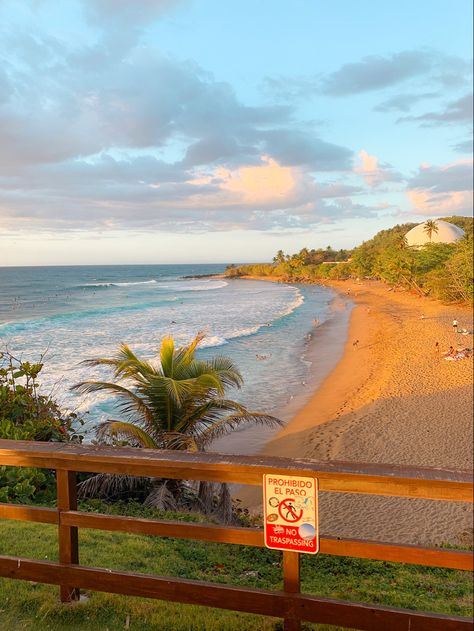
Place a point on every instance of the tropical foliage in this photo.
(176, 403)
(441, 270)
(25, 414)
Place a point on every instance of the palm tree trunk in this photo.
(206, 496)
(224, 507)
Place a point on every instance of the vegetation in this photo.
(178, 404)
(25, 414)
(441, 270)
(430, 228)
(33, 606)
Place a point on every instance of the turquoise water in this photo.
(76, 313)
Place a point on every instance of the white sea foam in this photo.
(206, 285)
(217, 340)
(297, 302)
(213, 340)
(219, 284)
(140, 282)
(251, 330)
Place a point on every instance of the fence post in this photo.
(68, 535)
(291, 584)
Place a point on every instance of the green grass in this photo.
(31, 606)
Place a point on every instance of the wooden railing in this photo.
(289, 604)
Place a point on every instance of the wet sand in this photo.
(391, 399)
(324, 348)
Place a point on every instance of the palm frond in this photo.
(221, 368)
(112, 487)
(167, 355)
(100, 361)
(111, 431)
(177, 390)
(210, 381)
(132, 366)
(232, 422)
(185, 354)
(121, 362)
(226, 370)
(161, 498)
(178, 440)
(131, 401)
(206, 413)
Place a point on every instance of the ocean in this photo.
(81, 312)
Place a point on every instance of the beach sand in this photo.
(392, 399)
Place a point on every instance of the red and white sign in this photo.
(290, 507)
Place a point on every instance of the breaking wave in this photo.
(206, 285)
(297, 302)
(114, 284)
(12, 328)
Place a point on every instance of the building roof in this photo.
(447, 233)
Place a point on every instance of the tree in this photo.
(401, 242)
(430, 227)
(279, 258)
(177, 404)
(453, 281)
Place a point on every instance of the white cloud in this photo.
(373, 174)
(443, 190)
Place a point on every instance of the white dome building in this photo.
(447, 232)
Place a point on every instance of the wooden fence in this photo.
(289, 604)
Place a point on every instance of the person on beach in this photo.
(355, 345)
(455, 325)
(437, 347)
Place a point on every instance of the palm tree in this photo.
(430, 227)
(401, 242)
(176, 404)
(279, 257)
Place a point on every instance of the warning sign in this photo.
(291, 513)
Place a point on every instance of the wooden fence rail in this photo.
(289, 604)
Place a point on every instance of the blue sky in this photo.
(190, 130)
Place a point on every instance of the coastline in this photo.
(393, 399)
(321, 348)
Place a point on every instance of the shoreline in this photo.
(320, 351)
(391, 399)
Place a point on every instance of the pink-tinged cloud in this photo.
(260, 184)
(267, 185)
(441, 204)
(370, 170)
(445, 190)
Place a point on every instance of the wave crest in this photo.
(297, 302)
(114, 284)
(206, 285)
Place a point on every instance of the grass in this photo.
(31, 606)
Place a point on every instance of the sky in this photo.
(176, 131)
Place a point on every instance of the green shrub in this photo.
(25, 414)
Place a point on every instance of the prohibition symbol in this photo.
(288, 512)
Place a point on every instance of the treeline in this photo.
(441, 270)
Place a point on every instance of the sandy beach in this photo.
(391, 399)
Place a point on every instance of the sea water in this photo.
(71, 314)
